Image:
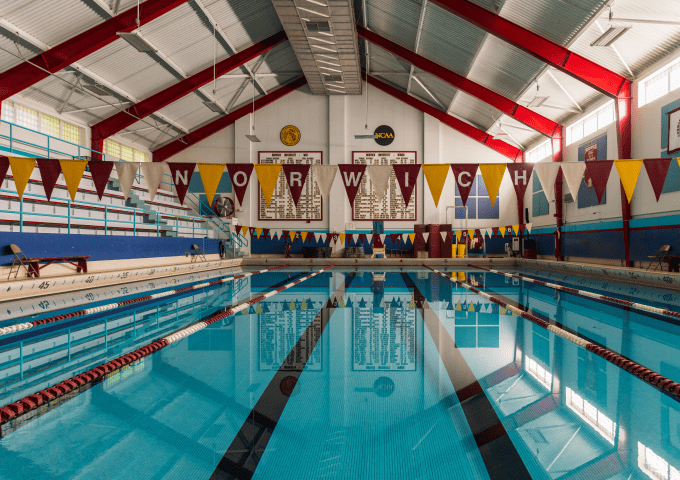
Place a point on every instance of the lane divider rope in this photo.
(639, 306)
(111, 306)
(645, 374)
(25, 405)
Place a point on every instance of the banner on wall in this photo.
(100, 172)
(153, 174)
(492, 173)
(351, 178)
(464, 174)
(181, 174)
(268, 176)
(239, 173)
(49, 174)
(296, 176)
(435, 175)
(73, 172)
(407, 176)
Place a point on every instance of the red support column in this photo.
(558, 148)
(624, 104)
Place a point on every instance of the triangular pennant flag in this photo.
(181, 174)
(382, 238)
(520, 173)
(296, 176)
(407, 175)
(488, 232)
(443, 235)
(73, 172)
(426, 236)
(100, 171)
(211, 174)
(599, 172)
(435, 175)
(350, 238)
(49, 174)
(404, 237)
(292, 234)
(258, 232)
(22, 168)
(324, 176)
(495, 230)
(380, 177)
(471, 233)
(547, 175)
(362, 238)
(239, 173)
(464, 174)
(458, 307)
(502, 230)
(492, 173)
(351, 176)
(268, 176)
(478, 232)
(629, 170)
(126, 172)
(342, 238)
(319, 237)
(528, 225)
(303, 235)
(458, 235)
(412, 237)
(153, 174)
(573, 174)
(4, 166)
(515, 228)
(657, 170)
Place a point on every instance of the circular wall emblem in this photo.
(385, 135)
(383, 387)
(290, 135)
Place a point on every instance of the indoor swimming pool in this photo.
(343, 373)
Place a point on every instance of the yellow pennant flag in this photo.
(501, 311)
(73, 171)
(502, 231)
(268, 175)
(304, 236)
(291, 234)
(341, 303)
(515, 228)
(258, 308)
(458, 306)
(628, 173)
(258, 232)
(244, 230)
(471, 233)
(492, 173)
(211, 174)
(244, 311)
(471, 308)
(436, 177)
(412, 237)
(304, 305)
(412, 303)
(459, 234)
(21, 171)
(461, 276)
(292, 305)
(342, 239)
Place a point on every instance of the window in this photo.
(590, 124)
(596, 419)
(659, 83)
(539, 204)
(141, 156)
(26, 117)
(478, 203)
(112, 147)
(71, 133)
(126, 153)
(49, 125)
(476, 330)
(7, 112)
(544, 150)
(654, 466)
(538, 372)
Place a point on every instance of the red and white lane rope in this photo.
(16, 409)
(649, 376)
(111, 306)
(584, 293)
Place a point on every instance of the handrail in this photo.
(205, 209)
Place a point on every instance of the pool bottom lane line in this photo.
(500, 456)
(20, 412)
(243, 455)
(656, 380)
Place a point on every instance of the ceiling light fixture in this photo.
(317, 3)
(322, 40)
(252, 137)
(328, 63)
(96, 89)
(314, 12)
(135, 39)
(331, 69)
(610, 36)
(324, 48)
(212, 103)
(338, 91)
(326, 56)
(537, 101)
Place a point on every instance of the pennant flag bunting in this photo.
(492, 173)
(529, 227)
(394, 237)
(464, 173)
(599, 172)
(443, 235)
(380, 177)
(73, 172)
(382, 238)
(471, 233)
(211, 174)
(629, 170)
(362, 238)
(268, 176)
(49, 174)
(324, 176)
(657, 170)
(426, 236)
(239, 173)
(404, 237)
(573, 174)
(515, 228)
(520, 173)
(502, 230)
(495, 231)
(342, 238)
(350, 238)
(351, 176)
(181, 174)
(435, 175)
(22, 168)
(412, 237)
(126, 172)
(407, 176)
(292, 234)
(258, 232)
(458, 235)
(153, 174)
(100, 171)
(303, 235)
(4, 166)
(547, 175)
(296, 176)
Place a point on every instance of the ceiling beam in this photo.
(512, 109)
(146, 107)
(163, 153)
(419, 33)
(26, 74)
(601, 79)
(509, 151)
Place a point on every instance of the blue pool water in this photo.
(351, 375)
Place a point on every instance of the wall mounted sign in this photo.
(290, 135)
(385, 135)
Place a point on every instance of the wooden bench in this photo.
(33, 267)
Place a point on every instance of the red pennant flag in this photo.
(181, 176)
(522, 227)
(296, 175)
(407, 176)
(4, 166)
(464, 173)
(394, 237)
(599, 172)
(478, 233)
(495, 231)
(349, 237)
(252, 232)
(100, 171)
(657, 169)
(351, 176)
(265, 232)
(362, 238)
(49, 173)
(520, 174)
(284, 235)
(335, 237)
(240, 176)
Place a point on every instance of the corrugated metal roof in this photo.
(448, 40)
(474, 111)
(279, 59)
(9, 55)
(147, 138)
(244, 21)
(396, 20)
(439, 88)
(520, 132)
(383, 61)
(189, 111)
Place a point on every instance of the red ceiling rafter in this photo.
(522, 114)
(510, 151)
(163, 153)
(146, 107)
(28, 73)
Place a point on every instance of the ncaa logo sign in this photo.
(384, 134)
